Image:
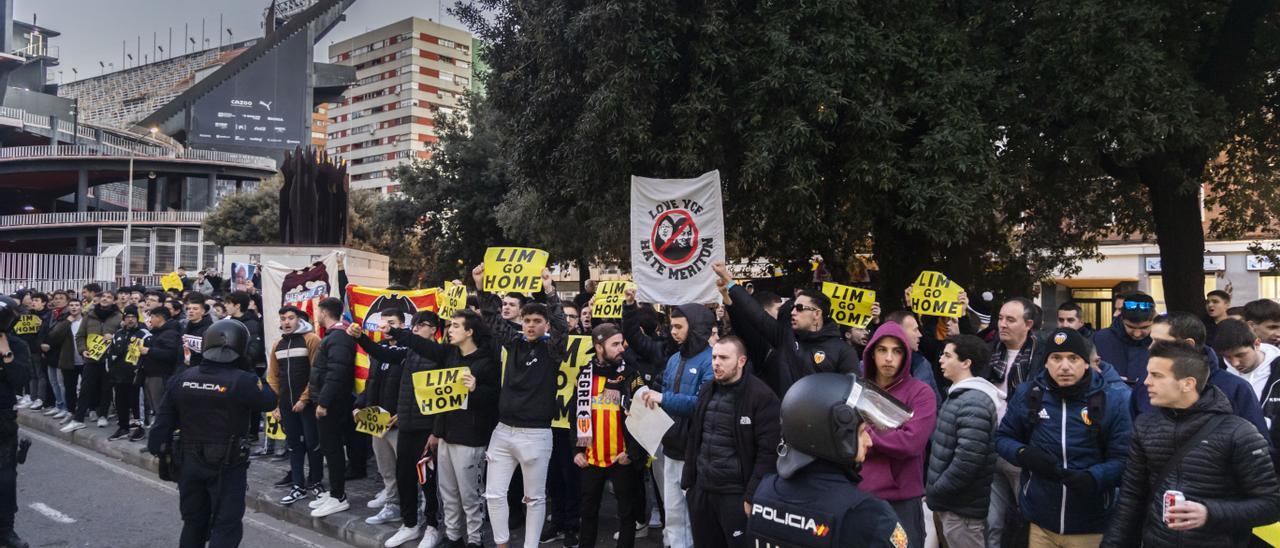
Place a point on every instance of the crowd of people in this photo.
(1155, 430)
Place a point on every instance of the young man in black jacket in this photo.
(526, 407)
(733, 442)
(161, 355)
(332, 386)
(236, 304)
(1194, 444)
(122, 370)
(198, 321)
(382, 390)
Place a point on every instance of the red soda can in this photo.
(1172, 498)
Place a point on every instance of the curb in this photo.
(348, 527)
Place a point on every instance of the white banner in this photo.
(677, 231)
(273, 292)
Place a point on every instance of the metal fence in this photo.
(98, 217)
(47, 272)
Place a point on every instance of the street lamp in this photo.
(128, 215)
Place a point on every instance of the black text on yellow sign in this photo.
(440, 390)
(850, 306)
(455, 299)
(28, 324)
(96, 346)
(513, 269)
(610, 296)
(579, 353)
(134, 353)
(273, 429)
(934, 294)
(374, 421)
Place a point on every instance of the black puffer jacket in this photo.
(164, 350)
(793, 354)
(963, 459)
(382, 388)
(333, 374)
(757, 431)
(1230, 473)
(410, 418)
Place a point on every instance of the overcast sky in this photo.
(92, 30)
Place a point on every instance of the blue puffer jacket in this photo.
(1097, 446)
(1128, 356)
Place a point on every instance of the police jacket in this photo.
(528, 396)
(289, 365)
(98, 321)
(333, 374)
(1064, 429)
(963, 457)
(821, 507)
(164, 350)
(1229, 472)
(211, 404)
(755, 436)
(794, 353)
(13, 375)
(119, 370)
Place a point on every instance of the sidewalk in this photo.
(348, 527)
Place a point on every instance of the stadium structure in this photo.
(171, 137)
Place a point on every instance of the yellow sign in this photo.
(440, 390)
(850, 306)
(96, 346)
(374, 421)
(934, 294)
(1269, 533)
(580, 351)
(455, 299)
(610, 296)
(513, 269)
(135, 352)
(171, 281)
(28, 324)
(273, 428)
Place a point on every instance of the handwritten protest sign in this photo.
(440, 390)
(933, 294)
(273, 428)
(171, 281)
(513, 269)
(135, 352)
(455, 299)
(850, 306)
(28, 324)
(579, 353)
(96, 346)
(374, 421)
(610, 296)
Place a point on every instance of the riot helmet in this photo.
(9, 312)
(226, 341)
(822, 415)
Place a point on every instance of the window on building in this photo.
(1157, 289)
(1269, 286)
(445, 43)
(1096, 306)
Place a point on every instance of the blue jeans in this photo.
(303, 438)
(59, 393)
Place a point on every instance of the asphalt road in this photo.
(68, 496)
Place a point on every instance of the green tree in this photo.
(247, 218)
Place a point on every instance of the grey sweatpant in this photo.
(461, 479)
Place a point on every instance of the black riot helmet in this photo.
(9, 312)
(226, 341)
(821, 417)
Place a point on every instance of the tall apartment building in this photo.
(406, 72)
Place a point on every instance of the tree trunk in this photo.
(1175, 210)
(900, 258)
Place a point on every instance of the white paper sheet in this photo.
(646, 425)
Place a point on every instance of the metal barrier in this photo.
(100, 217)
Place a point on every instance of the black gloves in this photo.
(1039, 461)
(1079, 481)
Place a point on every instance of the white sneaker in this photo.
(655, 519)
(405, 534)
(72, 426)
(102, 422)
(93, 415)
(36, 404)
(24, 401)
(430, 538)
(331, 506)
(641, 531)
(62, 414)
(319, 500)
(389, 513)
(52, 411)
(380, 500)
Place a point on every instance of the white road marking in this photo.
(50, 513)
(126, 470)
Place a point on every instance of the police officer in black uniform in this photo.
(15, 372)
(210, 404)
(813, 500)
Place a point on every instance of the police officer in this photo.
(813, 500)
(15, 372)
(211, 404)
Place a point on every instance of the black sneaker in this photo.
(296, 494)
(286, 481)
(120, 434)
(137, 434)
(316, 489)
(550, 534)
(570, 539)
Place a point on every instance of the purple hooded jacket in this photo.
(894, 469)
